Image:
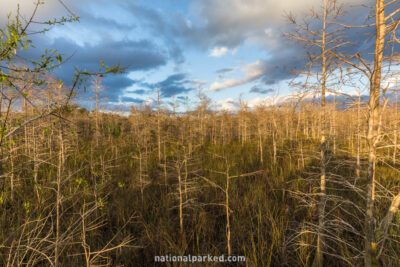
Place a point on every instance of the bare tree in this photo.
(323, 39)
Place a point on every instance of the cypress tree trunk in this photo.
(372, 133)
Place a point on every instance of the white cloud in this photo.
(228, 104)
(232, 105)
(149, 101)
(253, 71)
(218, 51)
(391, 83)
(268, 100)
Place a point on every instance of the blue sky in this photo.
(226, 49)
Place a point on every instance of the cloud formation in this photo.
(260, 90)
(218, 51)
(228, 104)
(263, 23)
(144, 37)
(134, 55)
(99, 35)
(253, 71)
(174, 85)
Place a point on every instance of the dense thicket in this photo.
(91, 188)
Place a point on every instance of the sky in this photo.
(229, 50)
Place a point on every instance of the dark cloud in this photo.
(138, 92)
(117, 81)
(174, 85)
(260, 90)
(173, 79)
(162, 26)
(128, 99)
(225, 70)
(134, 55)
(174, 90)
(282, 67)
(114, 86)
